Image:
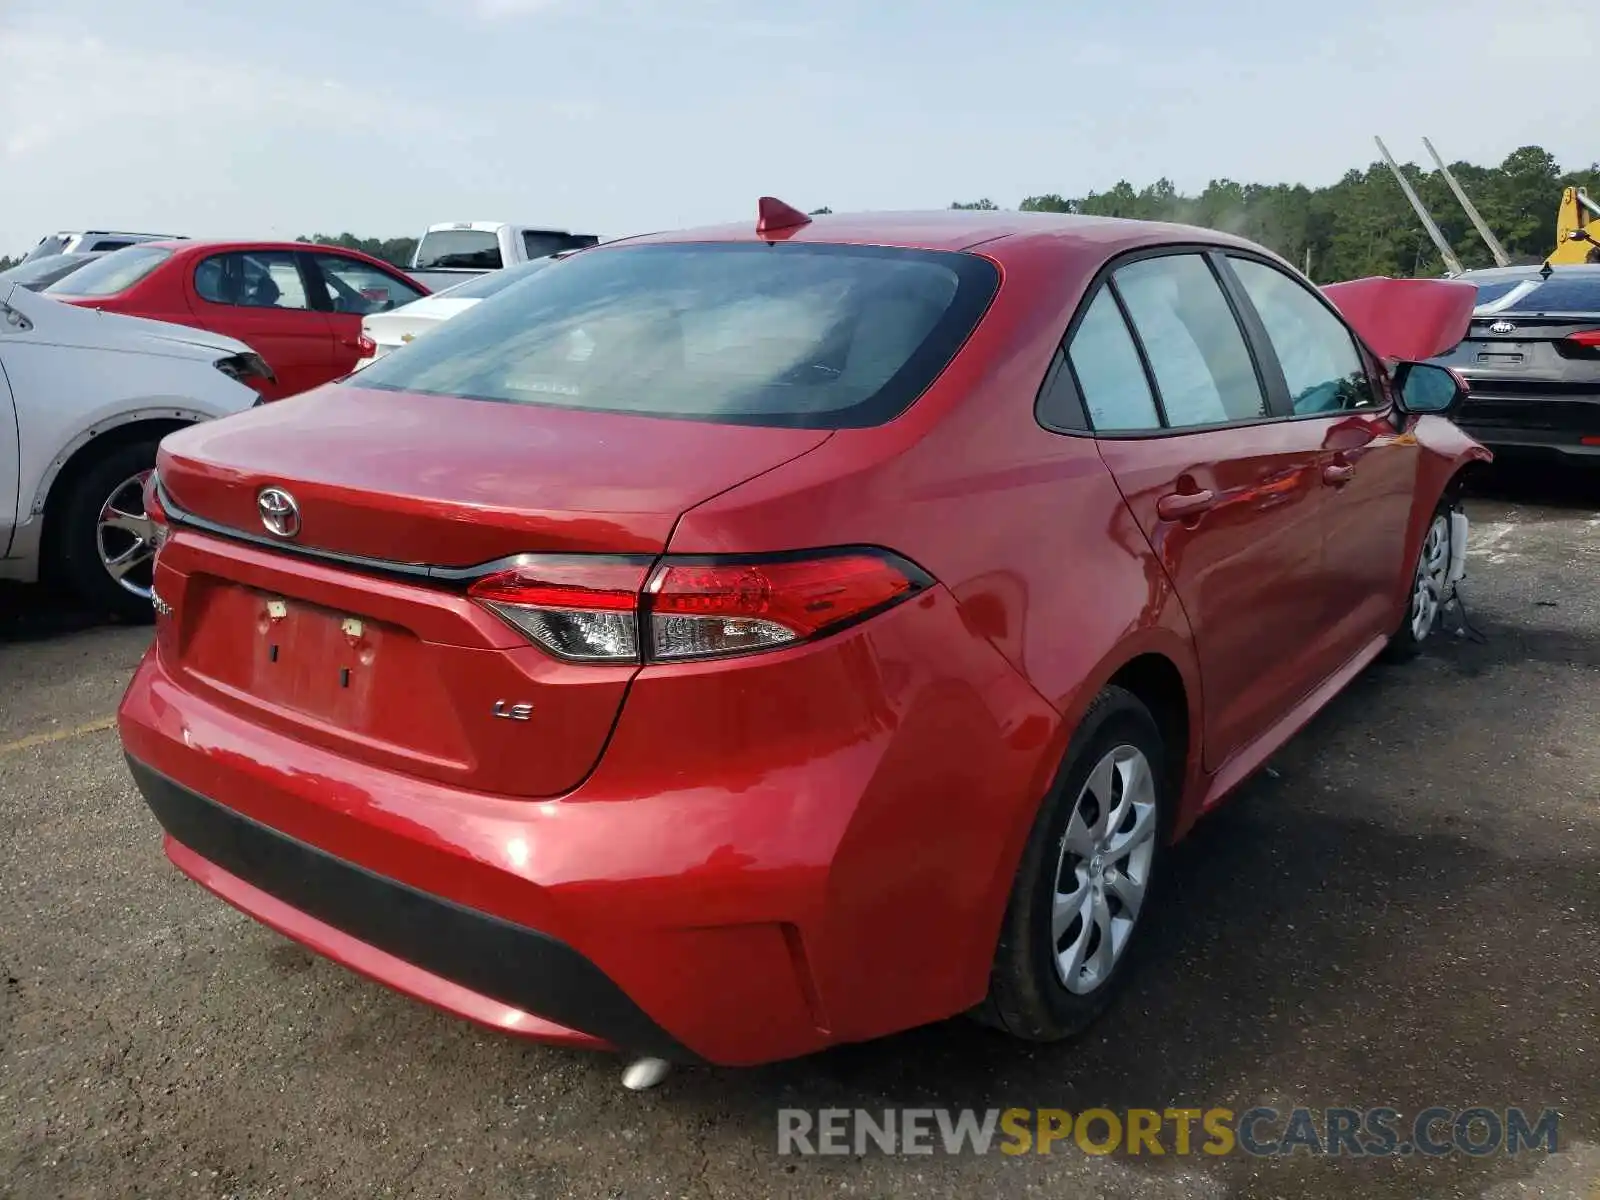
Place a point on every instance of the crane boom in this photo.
(1501, 258)
(1451, 262)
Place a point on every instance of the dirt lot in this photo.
(1404, 911)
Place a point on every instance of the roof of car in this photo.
(211, 245)
(951, 230)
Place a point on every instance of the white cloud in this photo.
(496, 9)
(58, 87)
(719, 18)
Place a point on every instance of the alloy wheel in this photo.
(124, 537)
(1103, 873)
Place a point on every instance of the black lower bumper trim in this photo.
(510, 963)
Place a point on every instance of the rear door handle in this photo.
(1338, 474)
(1178, 506)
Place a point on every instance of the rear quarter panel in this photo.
(161, 295)
(1024, 528)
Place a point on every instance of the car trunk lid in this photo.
(1531, 371)
(1528, 347)
(413, 479)
(366, 642)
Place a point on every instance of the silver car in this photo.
(85, 397)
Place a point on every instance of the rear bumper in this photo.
(1510, 442)
(474, 964)
(772, 856)
(1560, 424)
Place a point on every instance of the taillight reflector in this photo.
(604, 610)
(1587, 337)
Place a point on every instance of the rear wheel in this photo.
(1082, 895)
(103, 549)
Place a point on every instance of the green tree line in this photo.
(396, 251)
(1361, 225)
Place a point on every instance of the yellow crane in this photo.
(1577, 229)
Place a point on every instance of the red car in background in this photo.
(729, 643)
(298, 306)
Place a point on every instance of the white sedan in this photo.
(85, 397)
(393, 329)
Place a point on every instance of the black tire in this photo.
(1027, 997)
(1405, 643)
(74, 551)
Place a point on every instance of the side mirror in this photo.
(1427, 388)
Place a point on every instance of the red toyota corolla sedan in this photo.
(725, 644)
(298, 306)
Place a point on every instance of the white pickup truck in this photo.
(455, 251)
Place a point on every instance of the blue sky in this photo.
(613, 116)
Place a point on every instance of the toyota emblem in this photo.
(279, 513)
(1502, 327)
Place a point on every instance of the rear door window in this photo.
(1320, 362)
(1197, 352)
(353, 286)
(748, 333)
(1110, 377)
(252, 279)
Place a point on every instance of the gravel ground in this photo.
(1404, 910)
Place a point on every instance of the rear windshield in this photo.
(1561, 294)
(1490, 292)
(809, 336)
(42, 271)
(472, 249)
(494, 282)
(116, 272)
(55, 243)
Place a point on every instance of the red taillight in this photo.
(707, 609)
(1588, 337)
(365, 346)
(603, 610)
(577, 608)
